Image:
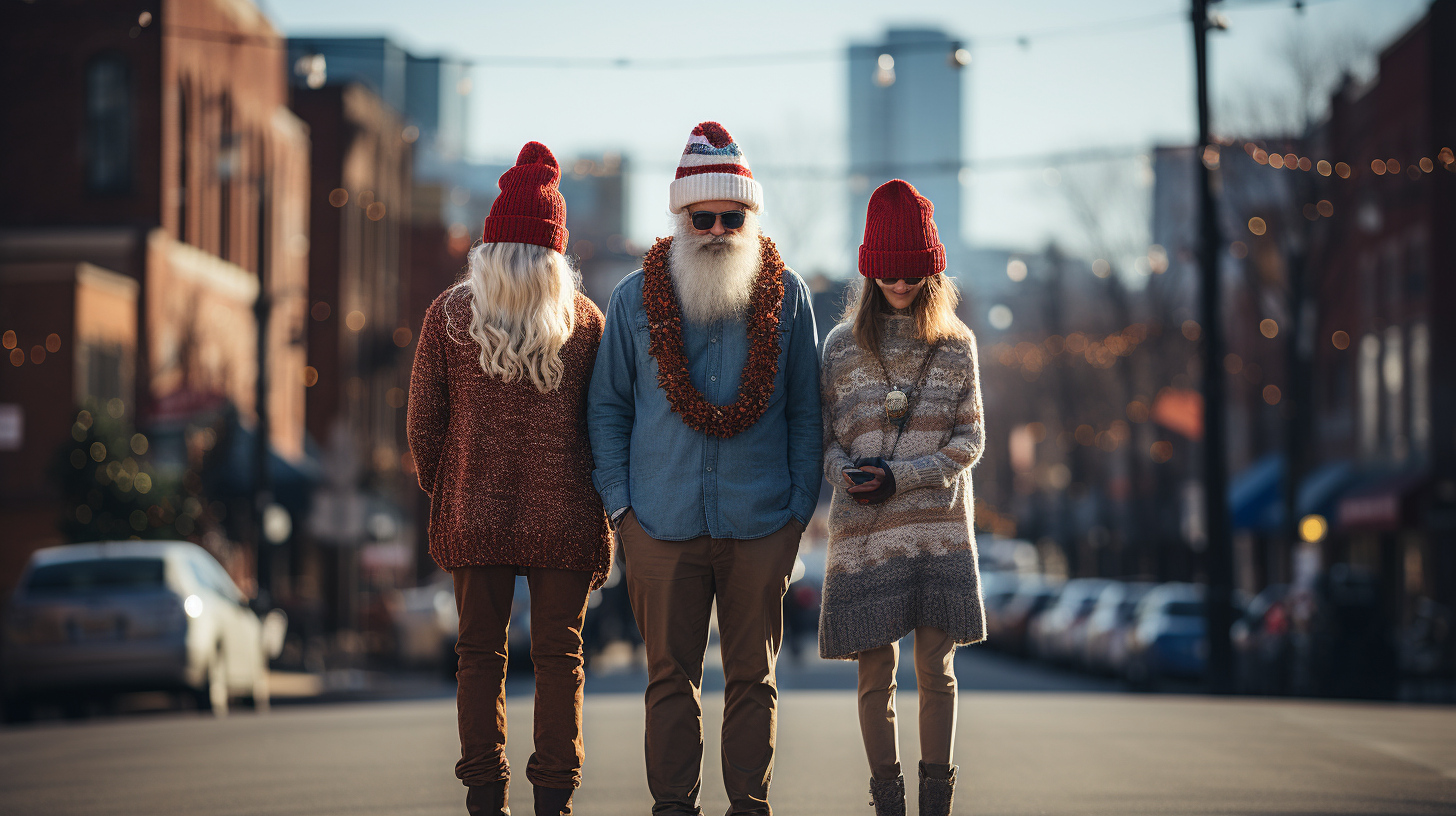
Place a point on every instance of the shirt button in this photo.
(712, 339)
(710, 470)
(714, 378)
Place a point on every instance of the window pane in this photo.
(108, 125)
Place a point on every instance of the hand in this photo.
(868, 487)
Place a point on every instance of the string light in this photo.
(1380, 167)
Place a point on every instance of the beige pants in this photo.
(934, 677)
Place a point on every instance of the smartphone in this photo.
(858, 476)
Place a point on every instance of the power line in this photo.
(837, 173)
(1022, 40)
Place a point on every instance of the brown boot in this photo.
(888, 796)
(488, 800)
(553, 801)
(937, 788)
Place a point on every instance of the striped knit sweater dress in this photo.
(910, 561)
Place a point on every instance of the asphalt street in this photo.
(1020, 752)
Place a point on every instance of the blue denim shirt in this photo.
(682, 483)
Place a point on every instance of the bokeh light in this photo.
(1313, 527)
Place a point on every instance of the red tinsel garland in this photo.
(665, 345)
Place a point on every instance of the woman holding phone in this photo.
(902, 429)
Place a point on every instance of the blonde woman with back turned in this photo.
(902, 428)
(497, 428)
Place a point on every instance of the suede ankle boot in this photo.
(888, 796)
(937, 788)
(488, 800)
(553, 801)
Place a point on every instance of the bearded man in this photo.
(705, 427)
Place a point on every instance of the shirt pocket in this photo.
(781, 377)
(642, 340)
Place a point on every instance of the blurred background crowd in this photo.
(218, 240)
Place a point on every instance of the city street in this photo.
(1066, 751)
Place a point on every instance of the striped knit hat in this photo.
(900, 238)
(712, 168)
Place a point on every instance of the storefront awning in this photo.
(1254, 491)
(1256, 496)
(1384, 502)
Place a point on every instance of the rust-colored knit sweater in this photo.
(508, 468)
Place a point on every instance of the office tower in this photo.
(905, 122)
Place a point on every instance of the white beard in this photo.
(713, 275)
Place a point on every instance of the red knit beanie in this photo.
(529, 209)
(900, 239)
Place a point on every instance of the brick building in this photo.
(360, 336)
(1385, 347)
(156, 197)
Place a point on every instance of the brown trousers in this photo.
(483, 597)
(672, 585)
(936, 681)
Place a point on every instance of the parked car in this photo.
(426, 625)
(1104, 641)
(1262, 645)
(1169, 638)
(1056, 635)
(1034, 594)
(802, 601)
(997, 587)
(132, 615)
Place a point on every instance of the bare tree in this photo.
(1310, 67)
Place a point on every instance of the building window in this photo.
(108, 125)
(184, 178)
(1369, 375)
(1393, 371)
(1420, 388)
(226, 166)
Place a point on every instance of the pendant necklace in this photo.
(897, 402)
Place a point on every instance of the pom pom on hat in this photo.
(712, 168)
(529, 209)
(900, 238)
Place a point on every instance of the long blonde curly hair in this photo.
(522, 311)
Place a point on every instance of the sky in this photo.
(1115, 74)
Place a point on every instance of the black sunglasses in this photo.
(893, 281)
(732, 220)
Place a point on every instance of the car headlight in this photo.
(192, 606)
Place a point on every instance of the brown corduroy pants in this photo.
(672, 585)
(483, 597)
(936, 682)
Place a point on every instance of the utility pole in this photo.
(262, 484)
(1218, 601)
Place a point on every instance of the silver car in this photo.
(131, 616)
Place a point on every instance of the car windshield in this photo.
(99, 575)
(1185, 609)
